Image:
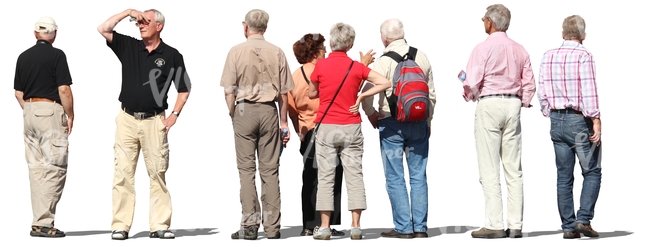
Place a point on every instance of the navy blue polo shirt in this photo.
(40, 70)
(148, 76)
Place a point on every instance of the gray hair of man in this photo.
(573, 28)
(500, 16)
(158, 16)
(342, 37)
(392, 29)
(46, 35)
(257, 20)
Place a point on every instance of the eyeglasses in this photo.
(485, 19)
(243, 23)
(323, 48)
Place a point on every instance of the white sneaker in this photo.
(355, 233)
(322, 233)
(119, 235)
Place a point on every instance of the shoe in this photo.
(586, 230)
(276, 236)
(306, 232)
(355, 233)
(119, 235)
(162, 234)
(420, 235)
(571, 235)
(395, 234)
(337, 233)
(322, 233)
(48, 232)
(249, 233)
(487, 233)
(514, 233)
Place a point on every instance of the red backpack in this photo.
(410, 99)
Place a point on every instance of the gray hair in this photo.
(159, 17)
(342, 37)
(500, 16)
(392, 29)
(46, 36)
(573, 27)
(257, 20)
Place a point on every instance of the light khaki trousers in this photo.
(346, 140)
(257, 131)
(131, 136)
(46, 153)
(497, 130)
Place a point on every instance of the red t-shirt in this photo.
(329, 73)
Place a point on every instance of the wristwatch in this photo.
(176, 113)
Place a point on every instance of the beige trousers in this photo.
(257, 131)
(46, 153)
(131, 136)
(346, 140)
(498, 141)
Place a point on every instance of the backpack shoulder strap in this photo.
(412, 52)
(394, 56)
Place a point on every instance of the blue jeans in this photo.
(570, 134)
(397, 139)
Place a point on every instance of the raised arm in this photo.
(106, 28)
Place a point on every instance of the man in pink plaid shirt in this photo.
(568, 95)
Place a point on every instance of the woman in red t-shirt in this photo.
(340, 129)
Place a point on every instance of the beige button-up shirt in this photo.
(257, 71)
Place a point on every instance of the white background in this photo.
(203, 177)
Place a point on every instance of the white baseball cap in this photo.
(45, 25)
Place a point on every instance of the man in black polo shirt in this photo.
(148, 68)
(42, 83)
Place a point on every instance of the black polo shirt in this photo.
(40, 70)
(164, 66)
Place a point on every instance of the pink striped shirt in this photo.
(499, 65)
(567, 79)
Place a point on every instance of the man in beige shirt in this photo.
(255, 76)
(403, 139)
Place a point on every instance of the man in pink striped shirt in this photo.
(500, 78)
(568, 95)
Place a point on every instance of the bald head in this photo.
(391, 30)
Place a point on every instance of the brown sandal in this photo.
(50, 232)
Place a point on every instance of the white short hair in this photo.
(342, 37)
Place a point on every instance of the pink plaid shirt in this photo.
(567, 79)
(499, 65)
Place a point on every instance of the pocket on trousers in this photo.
(60, 152)
(43, 112)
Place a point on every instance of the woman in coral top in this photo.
(302, 111)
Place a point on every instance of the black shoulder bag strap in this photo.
(304, 75)
(313, 135)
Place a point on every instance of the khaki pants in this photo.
(257, 130)
(132, 135)
(46, 153)
(498, 140)
(346, 140)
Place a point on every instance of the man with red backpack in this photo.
(405, 112)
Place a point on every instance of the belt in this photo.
(36, 99)
(500, 96)
(142, 115)
(566, 111)
(253, 102)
